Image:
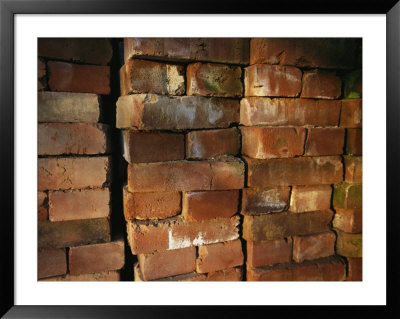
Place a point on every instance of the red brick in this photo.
(287, 112)
(203, 205)
(143, 76)
(310, 198)
(354, 269)
(263, 201)
(214, 80)
(321, 84)
(231, 274)
(167, 263)
(43, 206)
(353, 169)
(282, 225)
(348, 220)
(348, 196)
(51, 262)
(324, 141)
(351, 114)
(212, 143)
(153, 146)
(263, 253)
(79, 204)
(73, 172)
(193, 276)
(294, 171)
(228, 174)
(41, 75)
(112, 275)
(267, 142)
(311, 247)
(96, 258)
(219, 256)
(67, 77)
(73, 138)
(272, 80)
(348, 245)
(148, 236)
(159, 112)
(354, 141)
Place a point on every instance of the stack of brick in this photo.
(74, 168)
(179, 111)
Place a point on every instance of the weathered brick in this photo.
(353, 169)
(113, 275)
(281, 225)
(230, 274)
(148, 236)
(228, 174)
(203, 205)
(143, 76)
(263, 253)
(86, 50)
(51, 262)
(79, 204)
(296, 112)
(151, 205)
(348, 220)
(73, 233)
(321, 84)
(43, 206)
(272, 80)
(68, 77)
(214, 80)
(351, 114)
(263, 201)
(153, 146)
(212, 143)
(73, 172)
(68, 107)
(348, 196)
(73, 138)
(310, 198)
(193, 276)
(294, 171)
(354, 141)
(150, 112)
(311, 247)
(354, 272)
(352, 88)
(269, 142)
(324, 141)
(348, 244)
(41, 75)
(222, 50)
(167, 263)
(96, 258)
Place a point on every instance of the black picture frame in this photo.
(8, 10)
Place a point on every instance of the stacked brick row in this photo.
(74, 164)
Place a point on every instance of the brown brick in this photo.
(272, 80)
(159, 112)
(230, 274)
(227, 174)
(143, 76)
(41, 74)
(353, 169)
(348, 196)
(214, 80)
(203, 205)
(73, 172)
(73, 138)
(74, 232)
(294, 171)
(311, 247)
(79, 204)
(281, 225)
(263, 253)
(268, 142)
(148, 236)
(296, 112)
(43, 206)
(102, 276)
(354, 141)
(96, 258)
(262, 201)
(321, 84)
(193, 276)
(352, 85)
(354, 269)
(153, 146)
(310, 198)
(51, 262)
(351, 114)
(86, 50)
(67, 77)
(348, 220)
(212, 143)
(324, 141)
(348, 245)
(167, 263)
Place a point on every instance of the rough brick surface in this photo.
(354, 269)
(43, 206)
(353, 169)
(141, 76)
(354, 141)
(113, 275)
(311, 247)
(263, 253)
(267, 142)
(281, 112)
(294, 171)
(348, 196)
(209, 204)
(351, 114)
(212, 143)
(324, 141)
(67, 77)
(96, 258)
(272, 80)
(352, 85)
(41, 75)
(348, 220)
(214, 80)
(73, 138)
(310, 198)
(79, 204)
(153, 146)
(263, 201)
(51, 262)
(193, 276)
(321, 84)
(73, 172)
(348, 245)
(231, 274)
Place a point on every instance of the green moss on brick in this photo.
(353, 85)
